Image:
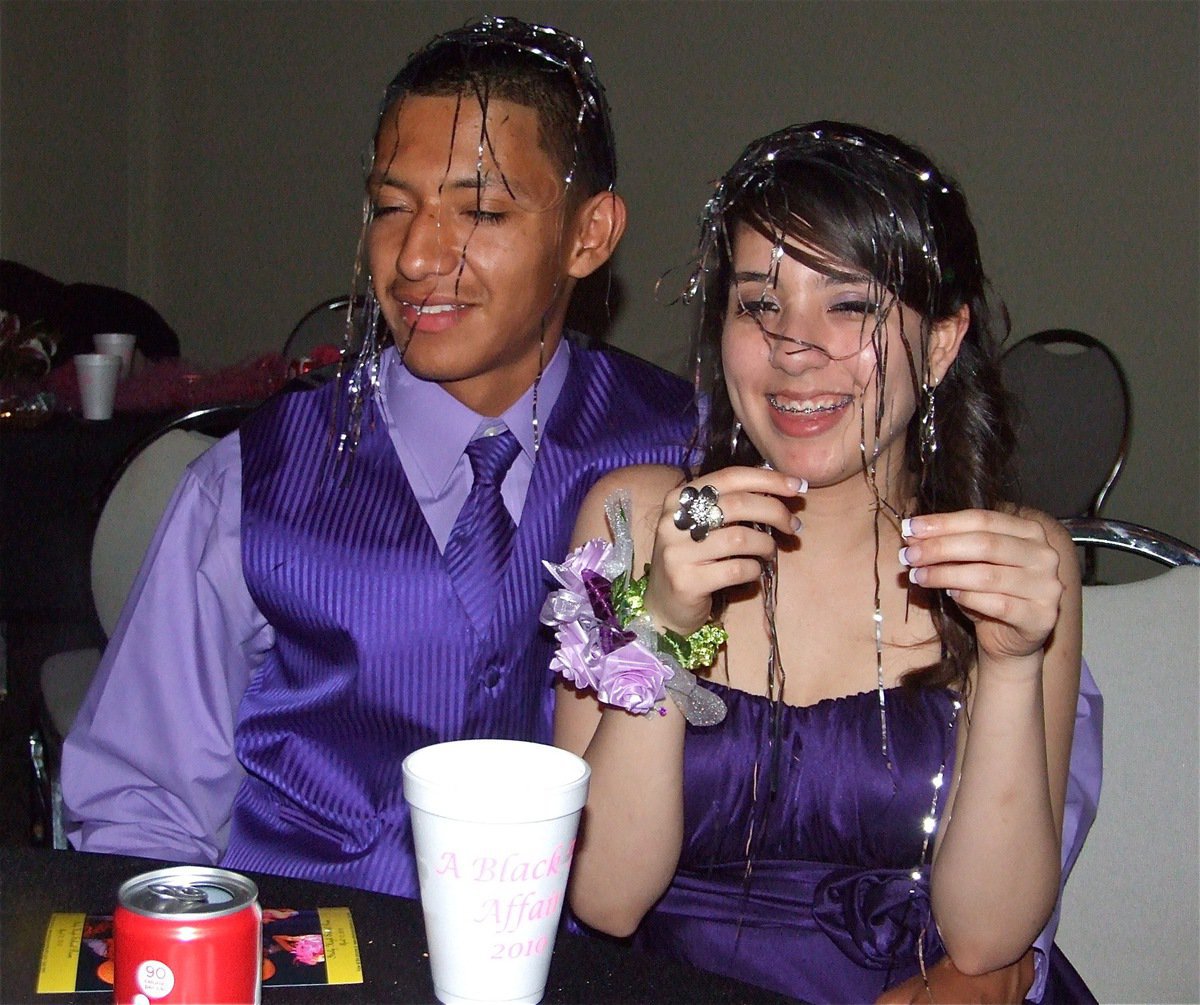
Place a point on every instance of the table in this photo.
(37, 882)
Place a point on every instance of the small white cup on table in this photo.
(494, 824)
(117, 344)
(98, 374)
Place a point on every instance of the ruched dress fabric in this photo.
(828, 910)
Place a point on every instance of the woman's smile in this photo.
(807, 416)
(808, 406)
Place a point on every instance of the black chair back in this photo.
(1073, 420)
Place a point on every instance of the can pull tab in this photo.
(177, 899)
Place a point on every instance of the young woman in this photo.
(901, 644)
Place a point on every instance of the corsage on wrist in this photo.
(606, 640)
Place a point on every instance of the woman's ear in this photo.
(597, 227)
(944, 341)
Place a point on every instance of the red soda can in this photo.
(188, 934)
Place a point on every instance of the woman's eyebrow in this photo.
(752, 277)
(843, 279)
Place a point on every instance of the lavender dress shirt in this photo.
(135, 783)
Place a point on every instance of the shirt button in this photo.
(492, 678)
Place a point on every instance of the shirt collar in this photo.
(437, 427)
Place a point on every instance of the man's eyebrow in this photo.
(483, 182)
(486, 182)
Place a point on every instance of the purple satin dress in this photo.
(829, 910)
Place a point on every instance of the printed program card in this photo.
(312, 946)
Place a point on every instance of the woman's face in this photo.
(818, 368)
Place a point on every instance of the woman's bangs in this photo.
(821, 220)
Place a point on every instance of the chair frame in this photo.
(1069, 336)
(215, 420)
(1086, 342)
(1121, 535)
(339, 303)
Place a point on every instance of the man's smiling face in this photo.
(466, 245)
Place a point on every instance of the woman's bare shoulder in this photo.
(647, 485)
(1057, 536)
(640, 480)
(1056, 533)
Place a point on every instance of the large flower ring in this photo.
(698, 511)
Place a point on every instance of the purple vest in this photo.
(375, 655)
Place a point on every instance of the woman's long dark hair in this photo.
(832, 194)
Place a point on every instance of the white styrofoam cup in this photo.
(117, 344)
(98, 374)
(494, 825)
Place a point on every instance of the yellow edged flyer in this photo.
(310, 946)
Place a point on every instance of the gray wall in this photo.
(207, 156)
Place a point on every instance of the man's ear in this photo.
(944, 342)
(597, 226)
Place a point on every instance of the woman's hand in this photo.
(685, 573)
(999, 568)
(945, 983)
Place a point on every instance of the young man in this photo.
(315, 607)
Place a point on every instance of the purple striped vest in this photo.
(374, 655)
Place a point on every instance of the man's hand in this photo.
(950, 986)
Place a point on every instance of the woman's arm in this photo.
(632, 828)
(997, 858)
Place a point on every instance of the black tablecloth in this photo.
(34, 883)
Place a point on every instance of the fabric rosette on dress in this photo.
(829, 932)
(877, 916)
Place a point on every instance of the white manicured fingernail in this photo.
(803, 486)
(906, 528)
(904, 558)
(797, 525)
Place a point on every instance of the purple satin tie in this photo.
(481, 539)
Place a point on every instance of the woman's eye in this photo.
(856, 307)
(377, 211)
(756, 308)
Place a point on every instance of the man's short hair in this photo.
(532, 65)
